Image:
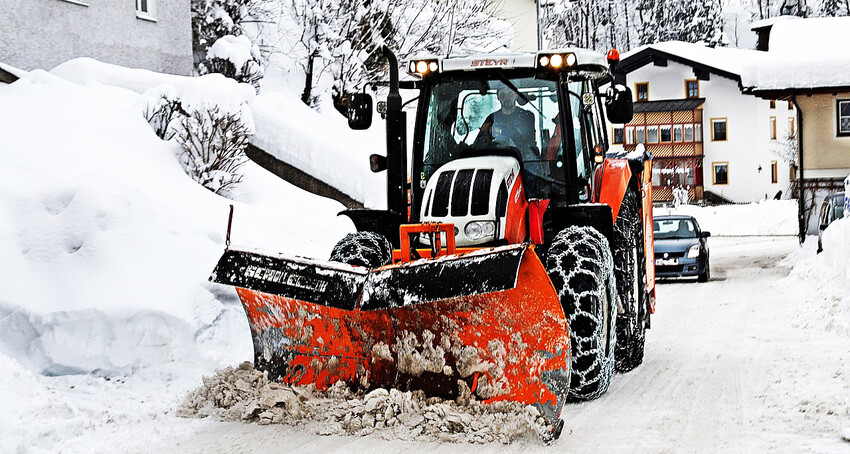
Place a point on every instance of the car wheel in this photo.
(581, 268)
(706, 275)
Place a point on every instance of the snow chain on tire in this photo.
(631, 287)
(363, 249)
(581, 268)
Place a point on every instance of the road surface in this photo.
(725, 370)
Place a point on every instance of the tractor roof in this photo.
(584, 60)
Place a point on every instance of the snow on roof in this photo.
(806, 53)
(769, 21)
(725, 59)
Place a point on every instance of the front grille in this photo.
(481, 192)
(441, 194)
(670, 255)
(460, 193)
(463, 191)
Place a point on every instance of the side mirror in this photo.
(824, 226)
(360, 111)
(618, 104)
(706, 234)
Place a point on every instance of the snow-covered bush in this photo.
(236, 58)
(161, 108)
(213, 142)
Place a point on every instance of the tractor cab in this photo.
(493, 134)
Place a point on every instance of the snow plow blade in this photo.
(490, 318)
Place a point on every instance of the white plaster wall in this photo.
(44, 33)
(748, 140)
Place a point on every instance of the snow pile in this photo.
(245, 394)
(106, 314)
(825, 278)
(321, 146)
(768, 217)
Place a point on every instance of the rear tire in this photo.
(630, 270)
(367, 249)
(580, 266)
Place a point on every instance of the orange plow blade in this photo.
(490, 318)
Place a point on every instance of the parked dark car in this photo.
(681, 248)
(831, 209)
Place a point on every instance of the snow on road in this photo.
(728, 368)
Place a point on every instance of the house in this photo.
(807, 64)
(150, 34)
(704, 133)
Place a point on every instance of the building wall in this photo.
(748, 143)
(825, 155)
(44, 33)
(522, 15)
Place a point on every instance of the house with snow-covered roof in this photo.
(150, 34)
(704, 133)
(807, 64)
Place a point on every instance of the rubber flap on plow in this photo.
(490, 318)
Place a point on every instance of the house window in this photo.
(697, 132)
(692, 88)
(630, 135)
(619, 135)
(642, 91)
(772, 103)
(720, 172)
(639, 133)
(843, 111)
(146, 9)
(666, 133)
(652, 134)
(718, 129)
(774, 172)
(689, 133)
(772, 128)
(677, 133)
(791, 132)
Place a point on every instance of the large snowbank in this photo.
(107, 245)
(321, 145)
(768, 217)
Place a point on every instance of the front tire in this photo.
(630, 271)
(367, 249)
(706, 275)
(580, 266)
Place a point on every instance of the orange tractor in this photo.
(514, 257)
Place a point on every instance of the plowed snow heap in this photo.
(516, 257)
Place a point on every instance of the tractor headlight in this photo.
(476, 230)
(693, 252)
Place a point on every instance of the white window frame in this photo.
(838, 117)
(146, 10)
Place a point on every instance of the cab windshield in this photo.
(505, 117)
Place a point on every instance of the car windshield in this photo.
(674, 228)
(511, 116)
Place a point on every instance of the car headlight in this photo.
(476, 230)
(693, 252)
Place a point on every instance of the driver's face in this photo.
(507, 97)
